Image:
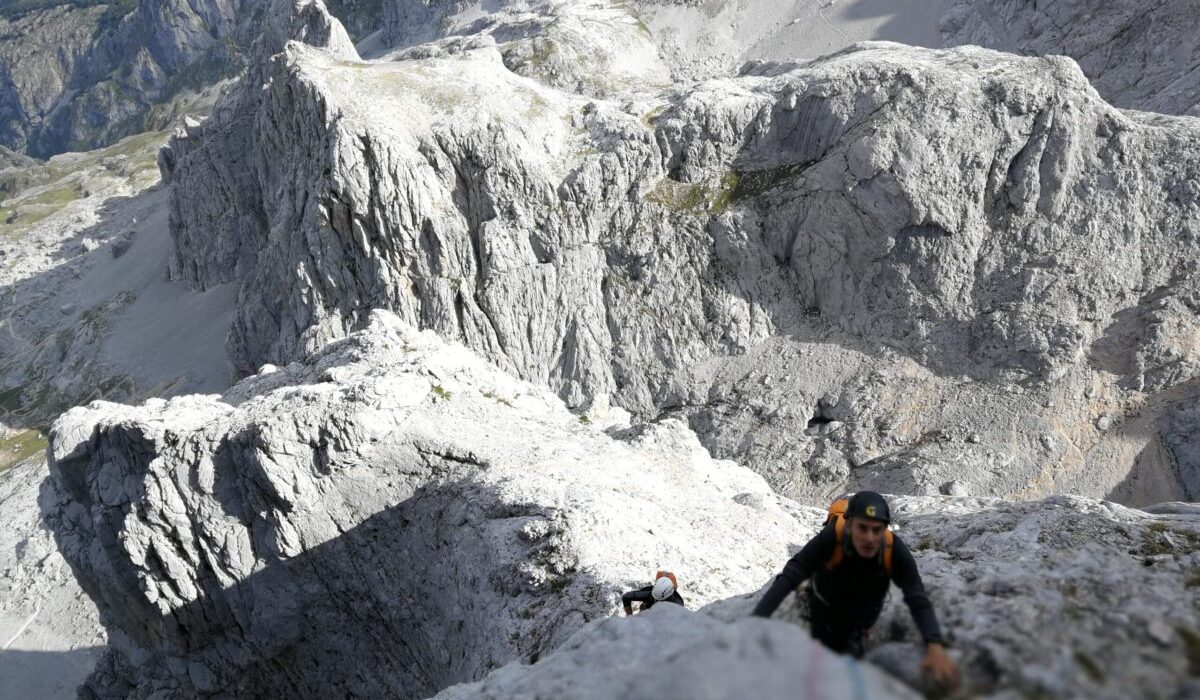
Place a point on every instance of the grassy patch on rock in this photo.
(40, 191)
(696, 199)
(752, 183)
(20, 446)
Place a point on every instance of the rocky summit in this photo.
(376, 348)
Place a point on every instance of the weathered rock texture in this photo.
(78, 76)
(82, 77)
(672, 653)
(395, 515)
(1061, 598)
(1137, 56)
(1065, 597)
(921, 250)
(592, 47)
(389, 518)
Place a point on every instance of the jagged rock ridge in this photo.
(1137, 57)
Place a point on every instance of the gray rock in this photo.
(1178, 508)
(84, 76)
(1051, 593)
(378, 502)
(897, 221)
(122, 244)
(669, 652)
(1136, 58)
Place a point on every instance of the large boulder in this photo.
(673, 653)
(389, 518)
(1064, 597)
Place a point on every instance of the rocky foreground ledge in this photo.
(395, 516)
(389, 518)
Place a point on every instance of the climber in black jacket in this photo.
(850, 577)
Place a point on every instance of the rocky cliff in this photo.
(417, 520)
(833, 270)
(1137, 57)
(79, 75)
(394, 515)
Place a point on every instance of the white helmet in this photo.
(664, 588)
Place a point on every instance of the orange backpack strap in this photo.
(839, 531)
(837, 509)
(888, 548)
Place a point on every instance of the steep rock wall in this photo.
(873, 203)
(391, 517)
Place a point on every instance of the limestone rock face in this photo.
(1136, 58)
(40, 52)
(82, 77)
(1066, 597)
(854, 223)
(1063, 597)
(590, 47)
(396, 505)
(672, 653)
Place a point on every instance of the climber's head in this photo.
(868, 516)
(664, 585)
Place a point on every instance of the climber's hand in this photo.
(938, 666)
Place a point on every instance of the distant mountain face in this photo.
(1135, 58)
(83, 74)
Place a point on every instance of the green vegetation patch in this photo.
(715, 197)
(649, 119)
(1158, 539)
(29, 210)
(20, 447)
(61, 180)
(752, 183)
(497, 399)
(696, 199)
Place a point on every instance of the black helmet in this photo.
(868, 504)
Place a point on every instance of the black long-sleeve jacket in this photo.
(645, 596)
(856, 589)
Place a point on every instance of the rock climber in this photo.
(850, 564)
(665, 589)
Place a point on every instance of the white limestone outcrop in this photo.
(899, 236)
(395, 505)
